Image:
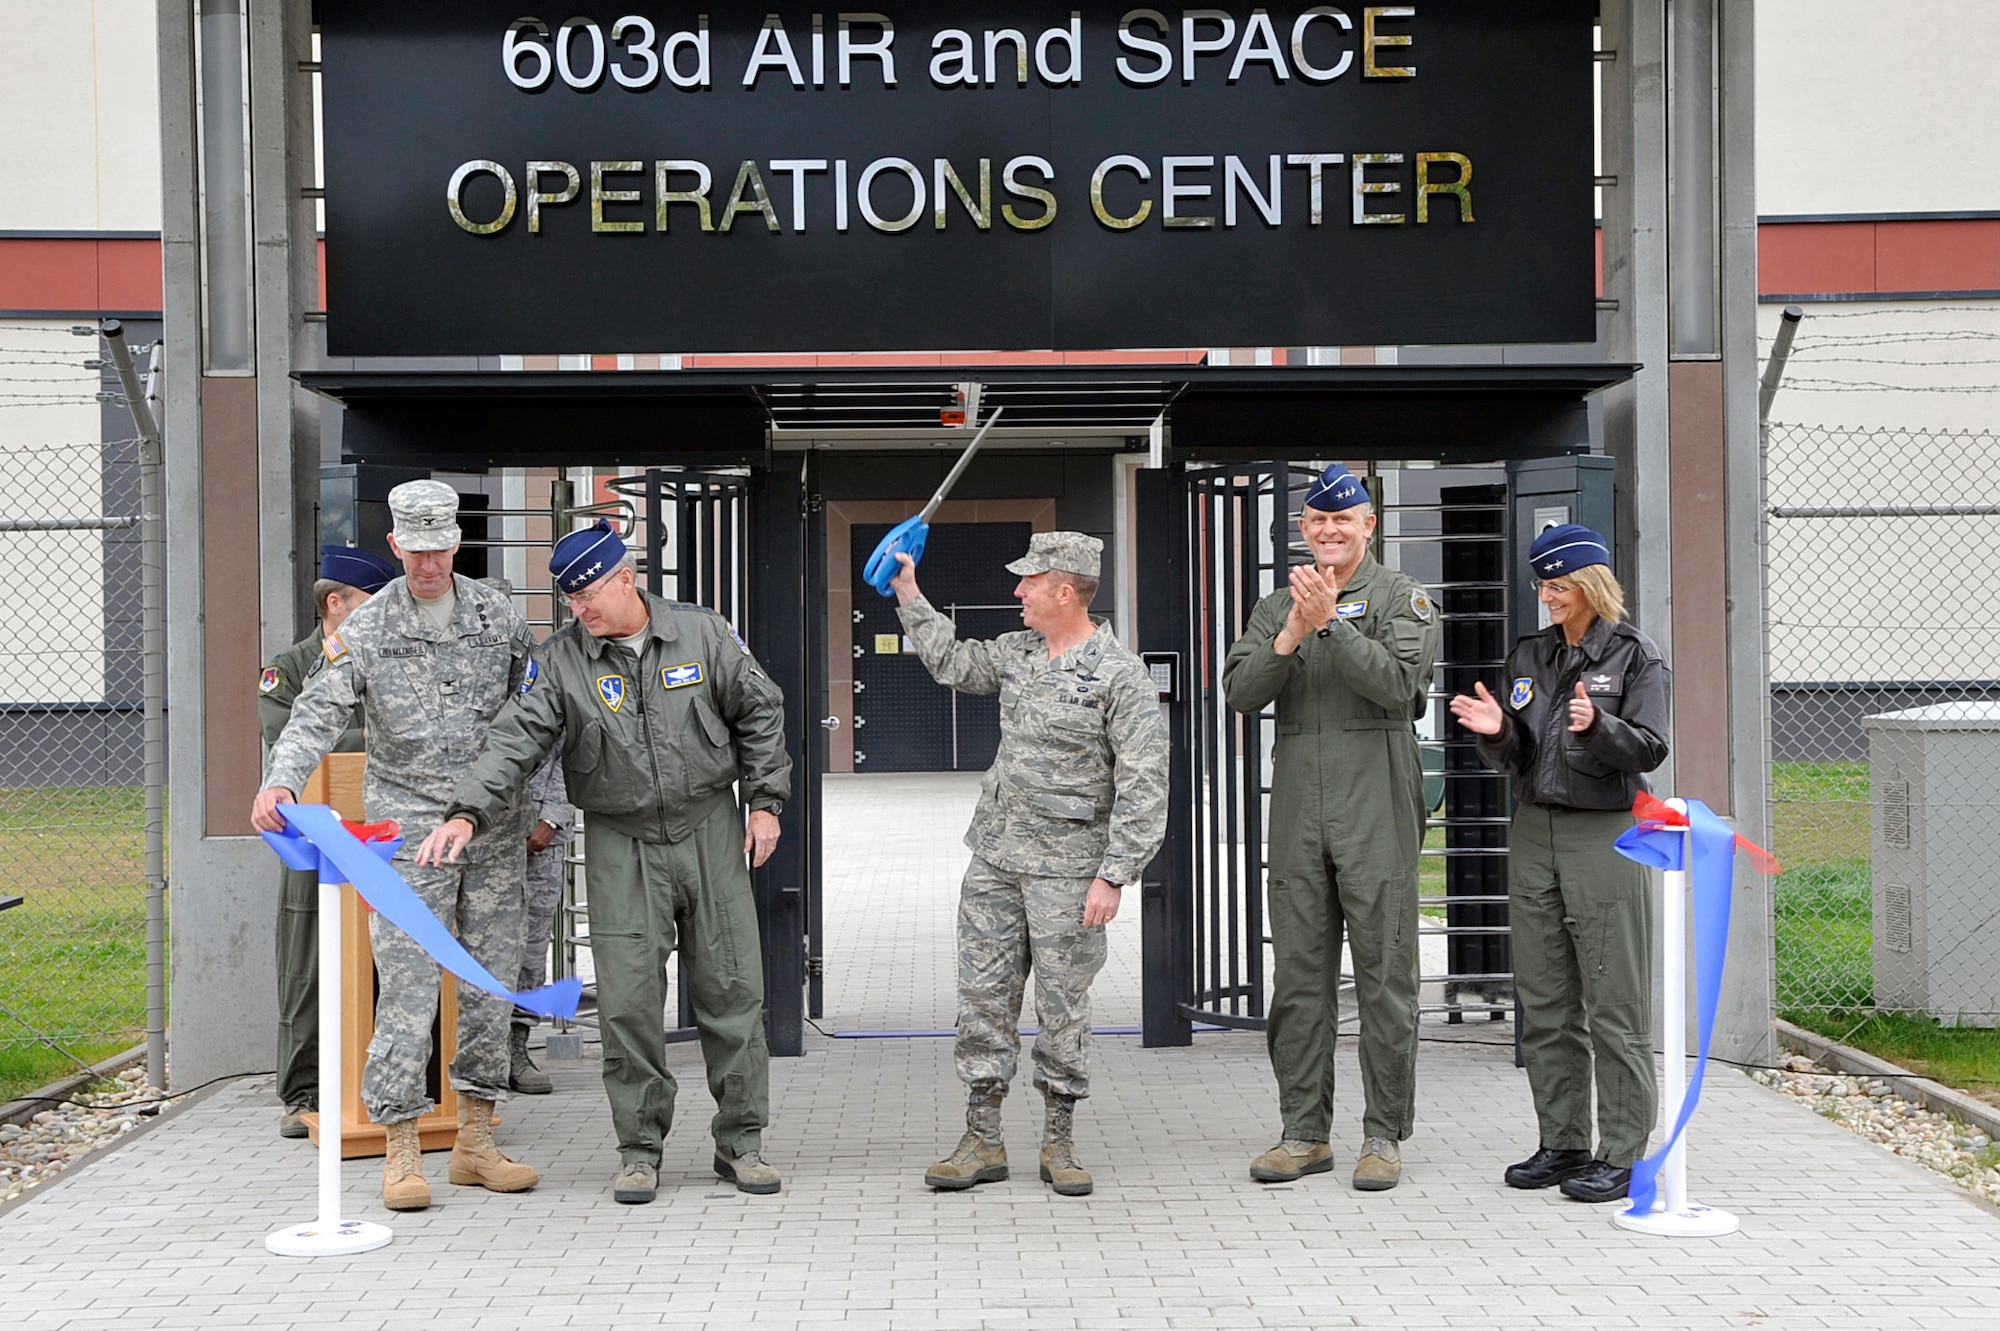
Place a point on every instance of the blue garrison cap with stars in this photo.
(1336, 488)
(356, 568)
(1565, 549)
(582, 557)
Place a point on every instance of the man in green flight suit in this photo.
(660, 709)
(1346, 651)
(347, 578)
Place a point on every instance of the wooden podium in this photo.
(338, 783)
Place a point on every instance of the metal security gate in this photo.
(1239, 522)
(1456, 545)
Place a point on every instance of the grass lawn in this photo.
(1965, 1057)
(23, 1070)
(73, 955)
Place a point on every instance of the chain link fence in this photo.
(73, 941)
(1883, 602)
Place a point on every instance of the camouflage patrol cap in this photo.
(426, 514)
(1070, 551)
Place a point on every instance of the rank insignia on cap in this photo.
(1420, 604)
(1350, 610)
(529, 676)
(1523, 694)
(680, 676)
(611, 688)
(333, 647)
(270, 680)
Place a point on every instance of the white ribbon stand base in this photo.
(1689, 1222)
(345, 1238)
(329, 1235)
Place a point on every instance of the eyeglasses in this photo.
(1559, 588)
(586, 597)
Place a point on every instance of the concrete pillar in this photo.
(1744, 1029)
(235, 510)
(1635, 329)
(1684, 432)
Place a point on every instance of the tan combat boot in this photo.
(474, 1157)
(1380, 1166)
(403, 1186)
(980, 1157)
(1061, 1169)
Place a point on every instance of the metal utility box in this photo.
(1935, 860)
(1548, 492)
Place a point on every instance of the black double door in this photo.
(904, 720)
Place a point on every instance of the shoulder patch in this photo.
(529, 675)
(1523, 693)
(270, 679)
(611, 690)
(333, 647)
(1420, 604)
(737, 638)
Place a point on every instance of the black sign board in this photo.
(965, 175)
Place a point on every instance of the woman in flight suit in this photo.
(1585, 713)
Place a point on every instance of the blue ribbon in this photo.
(1709, 883)
(314, 839)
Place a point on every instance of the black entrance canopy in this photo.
(471, 420)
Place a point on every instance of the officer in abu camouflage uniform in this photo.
(1346, 651)
(1073, 808)
(660, 711)
(434, 656)
(347, 578)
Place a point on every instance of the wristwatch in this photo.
(774, 808)
(1326, 629)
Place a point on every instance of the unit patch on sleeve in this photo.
(270, 680)
(530, 675)
(1350, 610)
(611, 688)
(1523, 694)
(333, 647)
(1420, 604)
(737, 638)
(680, 676)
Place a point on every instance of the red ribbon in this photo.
(1654, 814)
(386, 829)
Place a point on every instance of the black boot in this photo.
(1601, 1182)
(1547, 1167)
(523, 1076)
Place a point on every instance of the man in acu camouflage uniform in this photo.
(1346, 651)
(659, 710)
(434, 656)
(1073, 808)
(347, 578)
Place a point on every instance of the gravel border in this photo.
(56, 1137)
(1946, 1131)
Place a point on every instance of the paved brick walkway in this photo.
(168, 1231)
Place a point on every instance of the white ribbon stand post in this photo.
(329, 1235)
(1673, 1215)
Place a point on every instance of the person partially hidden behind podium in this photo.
(434, 656)
(347, 578)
